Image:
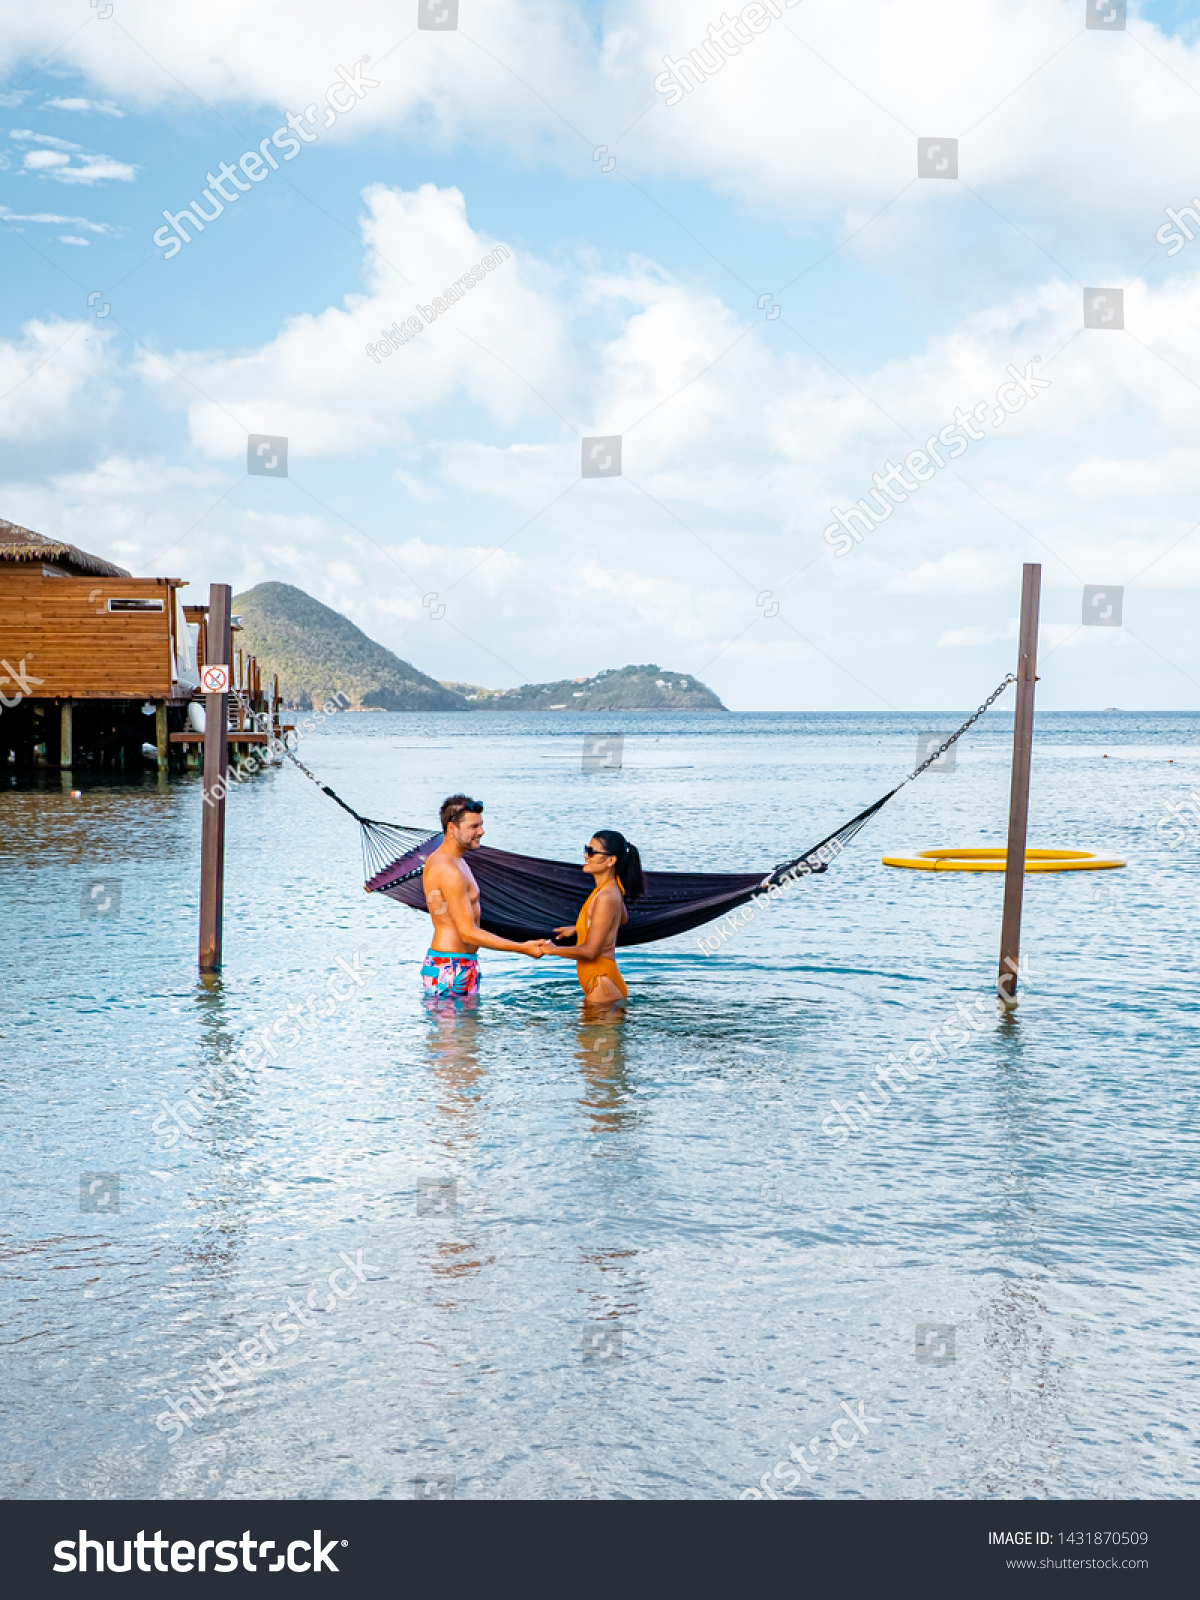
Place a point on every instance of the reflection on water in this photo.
(1029, 1443)
(615, 1295)
(457, 1260)
(453, 1054)
(205, 1110)
(453, 1047)
(601, 1053)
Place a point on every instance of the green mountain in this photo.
(316, 651)
(647, 688)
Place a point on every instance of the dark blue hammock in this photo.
(526, 897)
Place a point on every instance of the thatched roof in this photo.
(19, 544)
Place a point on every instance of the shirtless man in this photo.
(451, 969)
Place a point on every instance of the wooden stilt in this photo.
(66, 733)
(160, 733)
(1018, 804)
(216, 765)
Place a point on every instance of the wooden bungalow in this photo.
(88, 654)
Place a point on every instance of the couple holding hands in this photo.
(451, 968)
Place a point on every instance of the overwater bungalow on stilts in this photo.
(101, 670)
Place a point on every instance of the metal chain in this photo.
(941, 750)
(364, 822)
(296, 762)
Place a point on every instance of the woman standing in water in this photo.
(616, 867)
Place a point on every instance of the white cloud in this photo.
(746, 445)
(103, 107)
(979, 633)
(54, 160)
(27, 136)
(421, 491)
(504, 322)
(141, 512)
(851, 87)
(1102, 477)
(985, 571)
(95, 169)
(53, 220)
(57, 379)
(70, 238)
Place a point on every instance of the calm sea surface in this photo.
(634, 1260)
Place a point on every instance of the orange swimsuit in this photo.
(603, 966)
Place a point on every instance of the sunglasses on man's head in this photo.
(589, 852)
(461, 811)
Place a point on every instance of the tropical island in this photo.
(647, 688)
(318, 652)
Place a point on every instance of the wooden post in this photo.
(216, 765)
(1018, 804)
(66, 754)
(160, 733)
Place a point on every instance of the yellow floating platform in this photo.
(997, 860)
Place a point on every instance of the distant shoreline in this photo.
(608, 711)
(540, 711)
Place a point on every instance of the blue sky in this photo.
(628, 304)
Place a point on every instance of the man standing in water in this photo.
(451, 969)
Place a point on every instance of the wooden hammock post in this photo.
(1018, 804)
(216, 766)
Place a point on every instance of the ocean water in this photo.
(634, 1259)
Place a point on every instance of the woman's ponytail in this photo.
(632, 875)
(629, 862)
